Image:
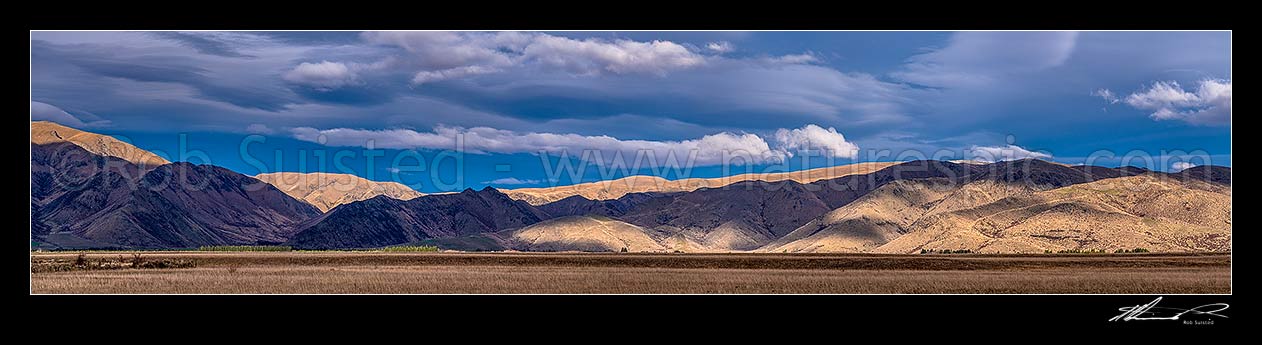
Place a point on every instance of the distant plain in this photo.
(445, 273)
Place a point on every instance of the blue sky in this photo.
(499, 104)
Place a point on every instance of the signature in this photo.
(1151, 311)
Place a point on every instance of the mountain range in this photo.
(80, 200)
(93, 191)
(613, 189)
(328, 190)
(45, 132)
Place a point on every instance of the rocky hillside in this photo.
(95, 197)
(1152, 211)
(177, 205)
(614, 189)
(383, 221)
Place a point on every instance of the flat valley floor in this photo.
(545, 273)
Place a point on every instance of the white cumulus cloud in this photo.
(713, 149)
(1107, 95)
(1180, 166)
(324, 75)
(439, 50)
(593, 56)
(811, 137)
(1210, 103)
(436, 55)
(1005, 153)
(720, 47)
(423, 77)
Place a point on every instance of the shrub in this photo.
(410, 249)
(168, 263)
(136, 260)
(1082, 251)
(245, 248)
(81, 260)
(946, 251)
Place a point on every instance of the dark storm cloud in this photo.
(312, 38)
(352, 95)
(166, 69)
(743, 94)
(646, 85)
(138, 72)
(204, 44)
(245, 97)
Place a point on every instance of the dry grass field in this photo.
(350, 272)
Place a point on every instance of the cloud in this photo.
(1209, 104)
(438, 50)
(533, 76)
(978, 58)
(816, 138)
(726, 93)
(164, 74)
(1107, 95)
(1180, 166)
(713, 149)
(204, 43)
(259, 128)
(129, 77)
(708, 150)
(447, 55)
(41, 111)
(793, 59)
(510, 180)
(323, 75)
(423, 77)
(47, 112)
(593, 56)
(720, 47)
(1005, 153)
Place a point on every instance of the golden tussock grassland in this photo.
(348, 272)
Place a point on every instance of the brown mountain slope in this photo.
(900, 209)
(328, 190)
(887, 213)
(749, 215)
(383, 221)
(583, 233)
(44, 132)
(741, 216)
(178, 205)
(589, 233)
(893, 217)
(65, 168)
(613, 189)
(1145, 211)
